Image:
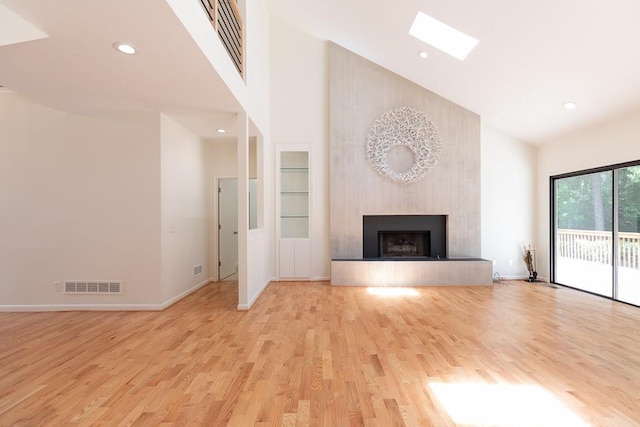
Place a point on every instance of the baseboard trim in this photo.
(247, 307)
(102, 307)
(185, 294)
(81, 307)
(303, 279)
(525, 278)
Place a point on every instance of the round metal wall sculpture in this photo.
(409, 128)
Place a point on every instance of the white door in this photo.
(227, 227)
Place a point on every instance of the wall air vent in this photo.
(197, 270)
(97, 287)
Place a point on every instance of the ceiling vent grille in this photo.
(94, 287)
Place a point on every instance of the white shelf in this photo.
(294, 227)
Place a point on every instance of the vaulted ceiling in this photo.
(532, 57)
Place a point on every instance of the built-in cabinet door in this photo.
(301, 258)
(294, 258)
(287, 255)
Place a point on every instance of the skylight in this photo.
(441, 36)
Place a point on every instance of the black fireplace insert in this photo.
(404, 236)
(404, 244)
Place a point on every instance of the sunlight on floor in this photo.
(503, 405)
(393, 292)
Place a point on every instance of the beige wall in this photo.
(79, 200)
(509, 201)
(186, 195)
(360, 91)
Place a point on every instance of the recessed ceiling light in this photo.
(124, 48)
(570, 105)
(422, 54)
(441, 36)
(221, 130)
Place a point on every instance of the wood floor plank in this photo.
(308, 354)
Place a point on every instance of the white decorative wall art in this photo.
(405, 127)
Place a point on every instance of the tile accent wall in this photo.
(359, 91)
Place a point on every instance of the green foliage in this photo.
(575, 201)
(585, 202)
(629, 199)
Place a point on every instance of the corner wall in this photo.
(299, 115)
(603, 144)
(79, 200)
(509, 208)
(186, 193)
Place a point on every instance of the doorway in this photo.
(227, 228)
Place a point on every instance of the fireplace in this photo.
(404, 244)
(404, 236)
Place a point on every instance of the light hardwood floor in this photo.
(312, 354)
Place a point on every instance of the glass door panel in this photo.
(583, 234)
(628, 180)
(294, 194)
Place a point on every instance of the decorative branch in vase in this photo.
(530, 261)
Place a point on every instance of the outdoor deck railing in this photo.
(595, 246)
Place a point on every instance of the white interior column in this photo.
(243, 206)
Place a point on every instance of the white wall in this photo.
(603, 144)
(261, 256)
(252, 95)
(252, 92)
(186, 194)
(260, 242)
(299, 115)
(508, 200)
(223, 164)
(260, 250)
(79, 200)
(223, 158)
(257, 65)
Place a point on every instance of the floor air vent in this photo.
(101, 287)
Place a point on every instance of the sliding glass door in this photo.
(596, 231)
(584, 232)
(628, 242)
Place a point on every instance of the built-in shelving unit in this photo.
(294, 194)
(293, 212)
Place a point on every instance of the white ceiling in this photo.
(532, 57)
(76, 69)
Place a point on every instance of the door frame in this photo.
(214, 221)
